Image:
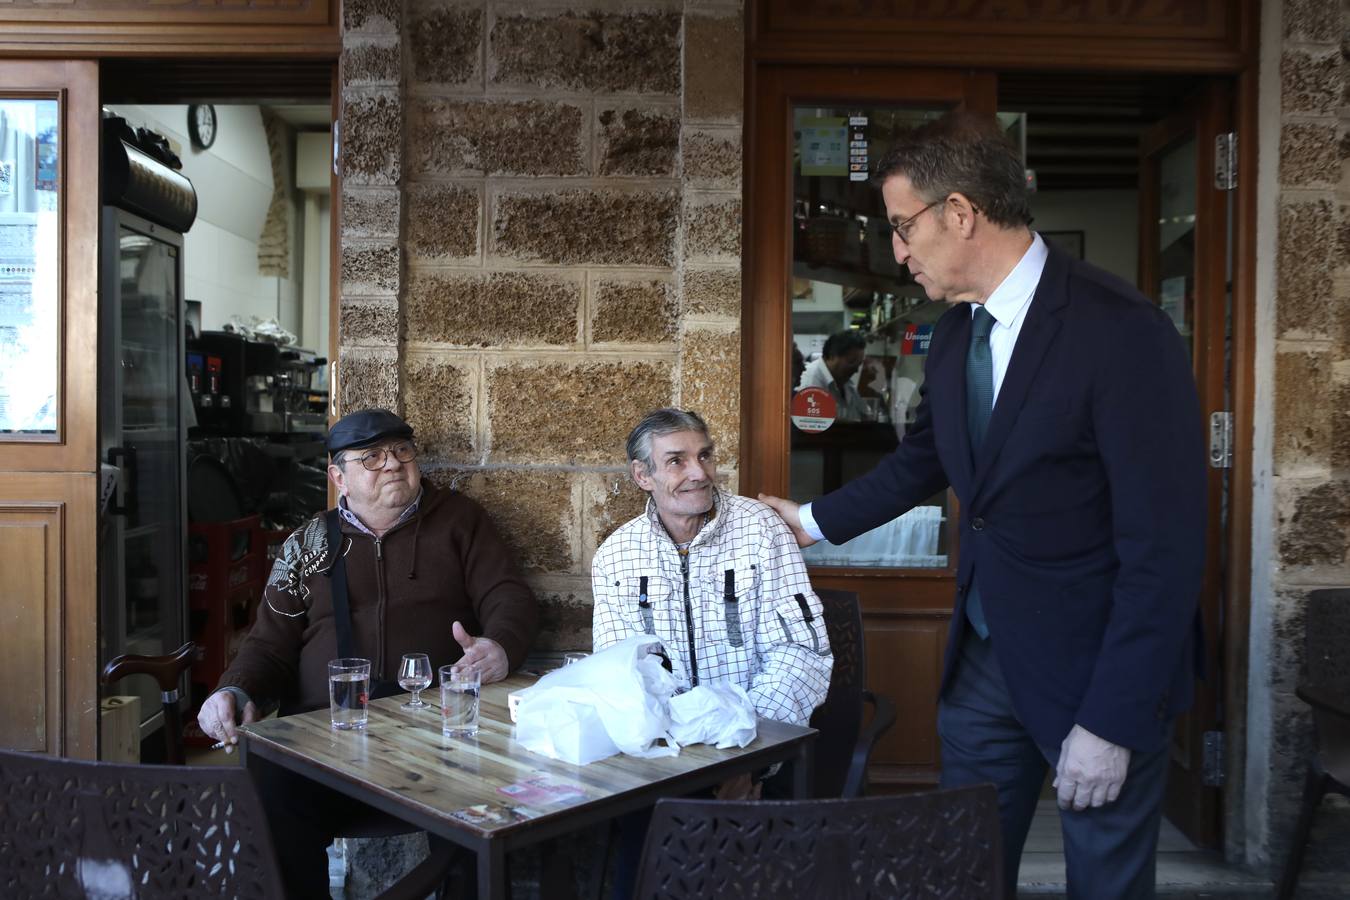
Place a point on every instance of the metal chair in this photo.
(845, 745)
(938, 844)
(432, 874)
(168, 672)
(70, 828)
(1324, 684)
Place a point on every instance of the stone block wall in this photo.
(1310, 463)
(541, 238)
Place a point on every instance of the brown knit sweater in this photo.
(446, 563)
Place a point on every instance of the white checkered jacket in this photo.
(770, 639)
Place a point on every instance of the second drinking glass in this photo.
(459, 700)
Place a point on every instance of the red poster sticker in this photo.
(813, 409)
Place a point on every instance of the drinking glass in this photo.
(348, 692)
(574, 657)
(460, 686)
(414, 674)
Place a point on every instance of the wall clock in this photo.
(202, 125)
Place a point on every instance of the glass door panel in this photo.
(30, 266)
(860, 329)
(1175, 284)
(142, 391)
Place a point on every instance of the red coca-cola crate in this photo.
(225, 583)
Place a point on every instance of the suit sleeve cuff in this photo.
(809, 522)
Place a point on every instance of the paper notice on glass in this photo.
(1172, 297)
(824, 147)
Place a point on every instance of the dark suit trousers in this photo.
(1110, 851)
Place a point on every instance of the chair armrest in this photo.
(1322, 699)
(883, 717)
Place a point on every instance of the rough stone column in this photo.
(544, 199)
(1311, 455)
(371, 139)
(710, 259)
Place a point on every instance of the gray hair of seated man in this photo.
(656, 423)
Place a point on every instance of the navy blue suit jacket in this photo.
(1083, 514)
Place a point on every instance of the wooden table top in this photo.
(402, 755)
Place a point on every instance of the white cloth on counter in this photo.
(910, 541)
(718, 713)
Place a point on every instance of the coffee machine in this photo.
(246, 387)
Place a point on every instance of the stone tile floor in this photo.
(1185, 872)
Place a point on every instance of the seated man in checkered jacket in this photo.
(718, 578)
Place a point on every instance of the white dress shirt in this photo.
(1008, 304)
(849, 406)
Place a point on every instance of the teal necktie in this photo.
(979, 404)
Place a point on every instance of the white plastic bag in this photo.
(719, 713)
(615, 700)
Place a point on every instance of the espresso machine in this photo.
(246, 387)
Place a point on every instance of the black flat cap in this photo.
(365, 427)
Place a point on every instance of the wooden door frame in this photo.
(1229, 48)
(83, 38)
(59, 478)
(765, 327)
(923, 609)
(1207, 113)
(74, 448)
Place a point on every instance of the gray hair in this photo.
(967, 153)
(656, 423)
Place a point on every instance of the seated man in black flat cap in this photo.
(398, 567)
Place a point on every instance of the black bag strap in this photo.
(342, 612)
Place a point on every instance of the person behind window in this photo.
(841, 359)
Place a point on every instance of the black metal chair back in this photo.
(1324, 684)
(938, 844)
(844, 747)
(70, 828)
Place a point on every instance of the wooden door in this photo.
(1183, 266)
(49, 145)
(906, 606)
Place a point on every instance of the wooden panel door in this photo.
(1183, 266)
(906, 602)
(49, 125)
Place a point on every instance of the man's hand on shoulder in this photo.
(1091, 770)
(484, 654)
(789, 511)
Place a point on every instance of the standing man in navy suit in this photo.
(1059, 405)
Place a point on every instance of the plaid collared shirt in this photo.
(740, 592)
(353, 519)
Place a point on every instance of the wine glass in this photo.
(414, 674)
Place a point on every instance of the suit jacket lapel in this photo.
(1037, 334)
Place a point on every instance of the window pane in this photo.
(1176, 236)
(30, 254)
(851, 298)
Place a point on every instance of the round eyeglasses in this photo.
(374, 458)
(902, 229)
